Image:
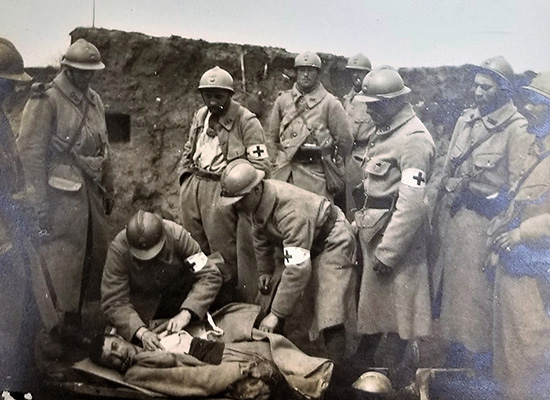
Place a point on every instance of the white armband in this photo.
(197, 261)
(414, 177)
(257, 151)
(295, 255)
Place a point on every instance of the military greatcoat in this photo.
(394, 228)
(181, 277)
(473, 189)
(293, 219)
(66, 158)
(316, 118)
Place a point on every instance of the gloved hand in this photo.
(264, 283)
(380, 268)
(151, 341)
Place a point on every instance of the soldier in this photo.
(358, 66)
(221, 131)
(15, 232)
(521, 255)
(393, 226)
(318, 247)
(66, 157)
(306, 123)
(155, 270)
(484, 159)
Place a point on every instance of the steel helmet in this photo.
(497, 66)
(83, 55)
(307, 59)
(373, 382)
(359, 61)
(145, 234)
(238, 179)
(540, 84)
(382, 84)
(216, 78)
(11, 63)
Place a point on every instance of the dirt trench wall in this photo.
(153, 82)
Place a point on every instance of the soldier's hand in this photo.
(508, 239)
(151, 341)
(380, 268)
(269, 323)
(264, 283)
(179, 322)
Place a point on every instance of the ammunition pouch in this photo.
(488, 207)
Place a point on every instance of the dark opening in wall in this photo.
(118, 127)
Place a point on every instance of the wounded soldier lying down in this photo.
(244, 363)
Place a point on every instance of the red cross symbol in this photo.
(419, 178)
(287, 256)
(259, 151)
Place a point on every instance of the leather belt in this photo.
(208, 176)
(384, 203)
(319, 242)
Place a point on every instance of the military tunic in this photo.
(292, 219)
(363, 128)
(521, 301)
(316, 118)
(64, 139)
(398, 162)
(134, 291)
(214, 227)
(469, 195)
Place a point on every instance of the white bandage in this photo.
(295, 255)
(414, 177)
(258, 151)
(197, 261)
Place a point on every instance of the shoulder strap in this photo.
(62, 145)
(488, 134)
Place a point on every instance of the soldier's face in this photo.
(357, 76)
(80, 78)
(381, 111)
(217, 100)
(306, 78)
(118, 353)
(487, 90)
(538, 114)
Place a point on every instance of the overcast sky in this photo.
(402, 33)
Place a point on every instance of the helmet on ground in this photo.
(11, 63)
(145, 234)
(359, 61)
(540, 84)
(307, 59)
(238, 179)
(216, 78)
(497, 66)
(373, 382)
(382, 84)
(83, 55)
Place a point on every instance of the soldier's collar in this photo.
(401, 118)
(312, 98)
(267, 204)
(496, 118)
(75, 95)
(227, 119)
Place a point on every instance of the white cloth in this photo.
(208, 153)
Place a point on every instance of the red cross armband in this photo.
(295, 255)
(197, 261)
(414, 177)
(257, 151)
